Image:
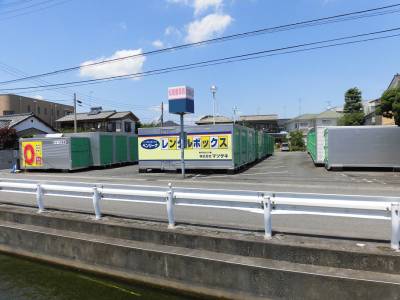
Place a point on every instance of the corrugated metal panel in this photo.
(363, 146)
(56, 153)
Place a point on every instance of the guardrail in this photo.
(266, 203)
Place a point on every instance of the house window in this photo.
(303, 124)
(128, 127)
(326, 122)
(118, 127)
(38, 110)
(8, 112)
(58, 113)
(45, 111)
(29, 108)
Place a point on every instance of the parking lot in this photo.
(285, 171)
(291, 172)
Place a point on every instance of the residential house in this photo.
(26, 124)
(208, 120)
(47, 111)
(306, 122)
(371, 118)
(329, 117)
(99, 120)
(268, 123)
(303, 123)
(395, 83)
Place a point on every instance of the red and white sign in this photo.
(180, 92)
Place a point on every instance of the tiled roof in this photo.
(395, 83)
(87, 116)
(306, 117)
(109, 114)
(329, 114)
(123, 114)
(5, 123)
(258, 118)
(12, 120)
(210, 120)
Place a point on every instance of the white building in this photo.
(25, 124)
(305, 122)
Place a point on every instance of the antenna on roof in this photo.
(329, 105)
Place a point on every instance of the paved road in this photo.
(283, 172)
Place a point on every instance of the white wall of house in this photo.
(300, 125)
(33, 122)
(125, 125)
(327, 122)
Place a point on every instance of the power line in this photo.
(30, 11)
(187, 67)
(26, 7)
(225, 60)
(96, 101)
(314, 22)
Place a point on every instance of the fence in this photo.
(266, 203)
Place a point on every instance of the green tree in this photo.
(353, 108)
(8, 138)
(390, 105)
(297, 141)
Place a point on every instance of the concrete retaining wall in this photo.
(215, 263)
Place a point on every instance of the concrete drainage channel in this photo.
(207, 261)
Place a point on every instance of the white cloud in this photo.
(158, 44)
(119, 67)
(208, 27)
(39, 97)
(171, 30)
(199, 6)
(202, 5)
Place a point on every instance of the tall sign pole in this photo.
(181, 102)
(162, 114)
(75, 122)
(214, 91)
(183, 145)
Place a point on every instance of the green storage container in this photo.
(121, 149)
(81, 154)
(311, 144)
(106, 150)
(133, 148)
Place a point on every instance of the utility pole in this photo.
(214, 91)
(162, 114)
(235, 109)
(75, 122)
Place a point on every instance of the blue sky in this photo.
(73, 32)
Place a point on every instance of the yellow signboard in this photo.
(213, 146)
(32, 154)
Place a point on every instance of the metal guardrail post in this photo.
(96, 203)
(39, 198)
(394, 242)
(266, 205)
(170, 207)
